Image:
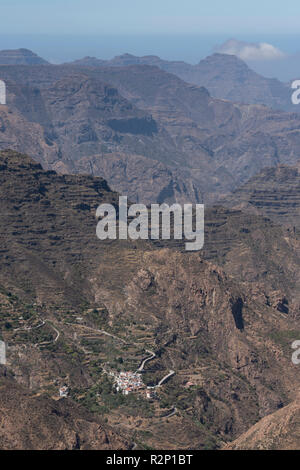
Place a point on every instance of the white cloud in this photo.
(251, 51)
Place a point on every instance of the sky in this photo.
(149, 16)
(189, 30)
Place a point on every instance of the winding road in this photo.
(146, 359)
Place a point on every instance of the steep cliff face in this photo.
(84, 119)
(90, 117)
(257, 251)
(17, 133)
(234, 141)
(266, 214)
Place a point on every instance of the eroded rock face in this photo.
(18, 134)
(256, 250)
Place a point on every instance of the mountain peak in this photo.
(219, 58)
(20, 57)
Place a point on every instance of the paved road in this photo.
(172, 372)
(172, 412)
(146, 359)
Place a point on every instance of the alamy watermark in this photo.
(296, 95)
(296, 354)
(2, 353)
(187, 222)
(2, 92)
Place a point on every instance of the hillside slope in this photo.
(273, 192)
(75, 310)
(38, 423)
(278, 431)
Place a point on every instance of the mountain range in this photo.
(112, 121)
(225, 76)
(210, 332)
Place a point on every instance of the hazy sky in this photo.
(64, 30)
(149, 16)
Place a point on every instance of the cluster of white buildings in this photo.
(127, 382)
(64, 392)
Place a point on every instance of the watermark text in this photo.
(166, 222)
(2, 92)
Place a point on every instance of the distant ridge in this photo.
(225, 76)
(20, 57)
(89, 62)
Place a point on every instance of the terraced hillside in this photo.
(274, 192)
(76, 311)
